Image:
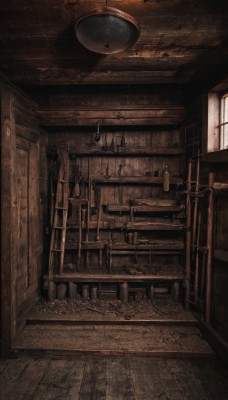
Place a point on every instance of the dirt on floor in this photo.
(103, 338)
(82, 309)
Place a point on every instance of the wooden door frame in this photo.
(8, 220)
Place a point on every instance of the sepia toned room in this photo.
(114, 209)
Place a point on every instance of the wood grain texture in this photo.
(102, 378)
(20, 244)
(8, 220)
(167, 51)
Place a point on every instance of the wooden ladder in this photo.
(59, 226)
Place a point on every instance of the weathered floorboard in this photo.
(94, 380)
(101, 378)
(119, 380)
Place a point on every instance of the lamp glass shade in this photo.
(107, 31)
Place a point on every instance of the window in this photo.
(223, 126)
(217, 122)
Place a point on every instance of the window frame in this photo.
(223, 123)
(212, 150)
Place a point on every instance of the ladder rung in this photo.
(58, 250)
(58, 227)
(61, 208)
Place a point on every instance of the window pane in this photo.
(224, 123)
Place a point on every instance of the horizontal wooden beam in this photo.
(156, 245)
(154, 226)
(140, 180)
(53, 319)
(143, 209)
(141, 226)
(220, 186)
(122, 151)
(47, 75)
(90, 117)
(76, 277)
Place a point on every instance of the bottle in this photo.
(166, 179)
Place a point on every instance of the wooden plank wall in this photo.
(20, 209)
(62, 107)
(195, 128)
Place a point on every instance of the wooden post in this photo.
(188, 237)
(196, 202)
(98, 212)
(88, 209)
(196, 281)
(8, 221)
(79, 234)
(210, 219)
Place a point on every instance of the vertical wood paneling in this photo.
(8, 221)
(23, 223)
(19, 211)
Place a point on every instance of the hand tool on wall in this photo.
(196, 202)
(76, 189)
(79, 233)
(210, 230)
(88, 209)
(98, 202)
(58, 235)
(196, 281)
(52, 196)
(188, 237)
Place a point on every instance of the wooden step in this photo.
(158, 341)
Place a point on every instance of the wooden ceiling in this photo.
(178, 39)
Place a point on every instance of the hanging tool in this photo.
(88, 209)
(196, 281)
(98, 136)
(76, 189)
(79, 233)
(188, 237)
(58, 234)
(196, 202)
(98, 201)
(52, 195)
(203, 273)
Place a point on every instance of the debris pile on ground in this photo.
(109, 309)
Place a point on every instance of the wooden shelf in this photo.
(220, 186)
(156, 245)
(154, 226)
(135, 226)
(117, 278)
(143, 209)
(175, 245)
(126, 151)
(133, 180)
(85, 245)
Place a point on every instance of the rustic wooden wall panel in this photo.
(176, 38)
(28, 202)
(8, 220)
(20, 241)
(35, 239)
(194, 131)
(22, 169)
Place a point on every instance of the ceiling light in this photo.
(107, 30)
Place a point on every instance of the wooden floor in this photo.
(111, 328)
(103, 378)
(147, 341)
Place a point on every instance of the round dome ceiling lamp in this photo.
(107, 30)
